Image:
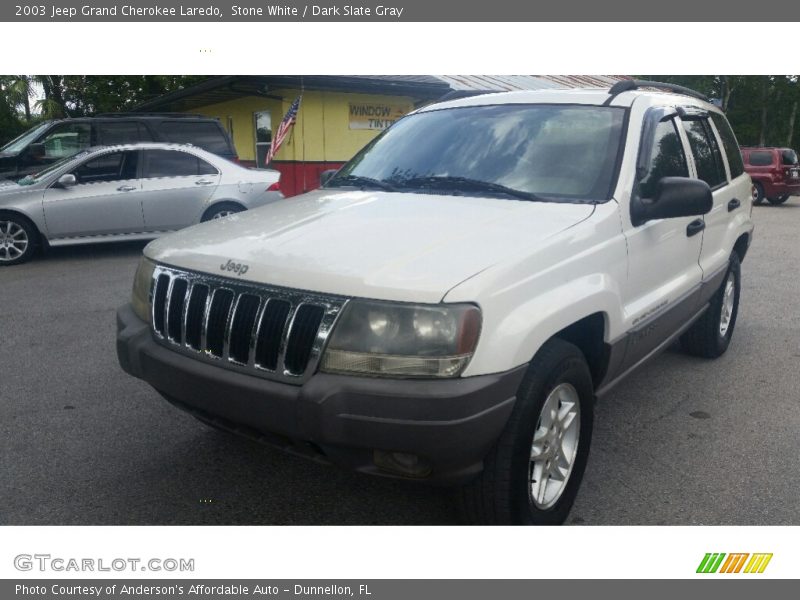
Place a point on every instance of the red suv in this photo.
(775, 173)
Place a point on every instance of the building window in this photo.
(263, 125)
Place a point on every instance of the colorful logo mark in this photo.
(719, 562)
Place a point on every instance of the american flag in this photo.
(283, 130)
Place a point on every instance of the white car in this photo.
(448, 307)
(125, 192)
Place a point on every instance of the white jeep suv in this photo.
(450, 304)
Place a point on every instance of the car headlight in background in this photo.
(403, 340)
(140, 299)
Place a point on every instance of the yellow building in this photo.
(338, 115)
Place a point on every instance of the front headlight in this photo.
(403, 340)
(140, 299)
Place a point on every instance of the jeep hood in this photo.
(383, 245)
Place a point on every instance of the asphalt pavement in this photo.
(683, 441)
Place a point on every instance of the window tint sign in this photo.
(375, 115)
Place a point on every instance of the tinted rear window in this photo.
(174, 163)
(730, 144)
(204, 134)
(789, 157)
(707, 157)
(125, 132)
(761, 158)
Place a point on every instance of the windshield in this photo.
(535, 152)
(37, 177)
(20, 143)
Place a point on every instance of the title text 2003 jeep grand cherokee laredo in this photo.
(449, 305)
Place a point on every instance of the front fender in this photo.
(517, 336)
(548, 288)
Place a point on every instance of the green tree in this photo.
(762, 109)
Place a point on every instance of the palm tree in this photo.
(16, 91)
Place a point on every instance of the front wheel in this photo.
(711, 334)
(779, 199)
(17, 239)
(532, 474)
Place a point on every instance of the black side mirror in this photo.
(674, 197)
(326, 176)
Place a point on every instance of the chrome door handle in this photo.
(126, 188)
(203, 182)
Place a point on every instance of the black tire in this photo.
(778, 200)
(501, 494)
(18, 239)
(758, 193)
(705, 337)
(223, 209)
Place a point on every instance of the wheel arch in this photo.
(589, 320)
(42, 238)
(217, 203)
(589, 336)
(741, 245)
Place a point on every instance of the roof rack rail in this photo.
(174, 115)
(627, 85)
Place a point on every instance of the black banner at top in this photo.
(398, 11)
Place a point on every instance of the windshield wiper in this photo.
(359, 181)
(466, 184)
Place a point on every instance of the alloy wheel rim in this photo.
(728, 297)
(13, 241)
(221, 214)
(554, 447)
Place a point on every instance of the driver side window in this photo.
(667, 158)
(114, 166)
(66, 140)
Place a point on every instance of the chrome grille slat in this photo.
(175, 309)
(204, 326)
(161, 284)
(226, 335)
(218, 322)
(242, 327)
(270, 332)
(167, 301)
(185, 315)
(251, 354)
(300, 341)
(287, 331)
(241, 324)
(195, 316)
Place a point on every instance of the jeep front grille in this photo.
(271, 332)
